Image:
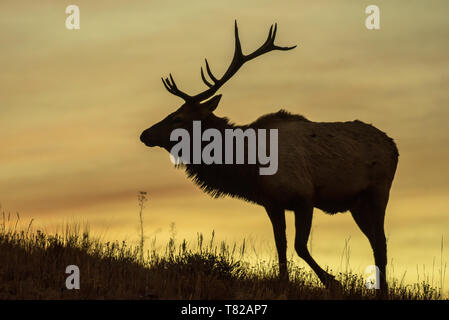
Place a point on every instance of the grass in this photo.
(33, 267)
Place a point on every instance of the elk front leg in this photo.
(277, 218)
(303, 223)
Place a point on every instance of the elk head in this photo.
(195, 107)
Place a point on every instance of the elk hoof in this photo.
(382, 293)
(333, 285)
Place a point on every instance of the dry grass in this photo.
(33, 267)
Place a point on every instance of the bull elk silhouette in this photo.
(333, 166)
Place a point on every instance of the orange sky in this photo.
(73, 104)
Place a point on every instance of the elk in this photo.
(332, 166)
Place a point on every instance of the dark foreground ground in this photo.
(33, 265)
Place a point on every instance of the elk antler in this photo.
(237, 61)
(170, 85)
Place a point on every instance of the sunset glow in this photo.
(74, 102)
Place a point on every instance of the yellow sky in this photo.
(73, 103)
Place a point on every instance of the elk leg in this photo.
(277, 218)
(369, 217)
(303, 223)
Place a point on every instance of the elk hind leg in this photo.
(369, 214)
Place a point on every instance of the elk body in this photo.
(333, 166)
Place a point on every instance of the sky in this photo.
(74, 102)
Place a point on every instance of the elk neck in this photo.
(221, 180)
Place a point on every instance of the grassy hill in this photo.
(33, 264)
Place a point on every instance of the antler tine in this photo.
(209, 72)
(210, 85)
(277, 47)
(270, 35)
(274, 31)
(238, 47)
(171, 87)
(165, 85)
(268, 45)
(173, 81)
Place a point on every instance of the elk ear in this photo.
(211, 104)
